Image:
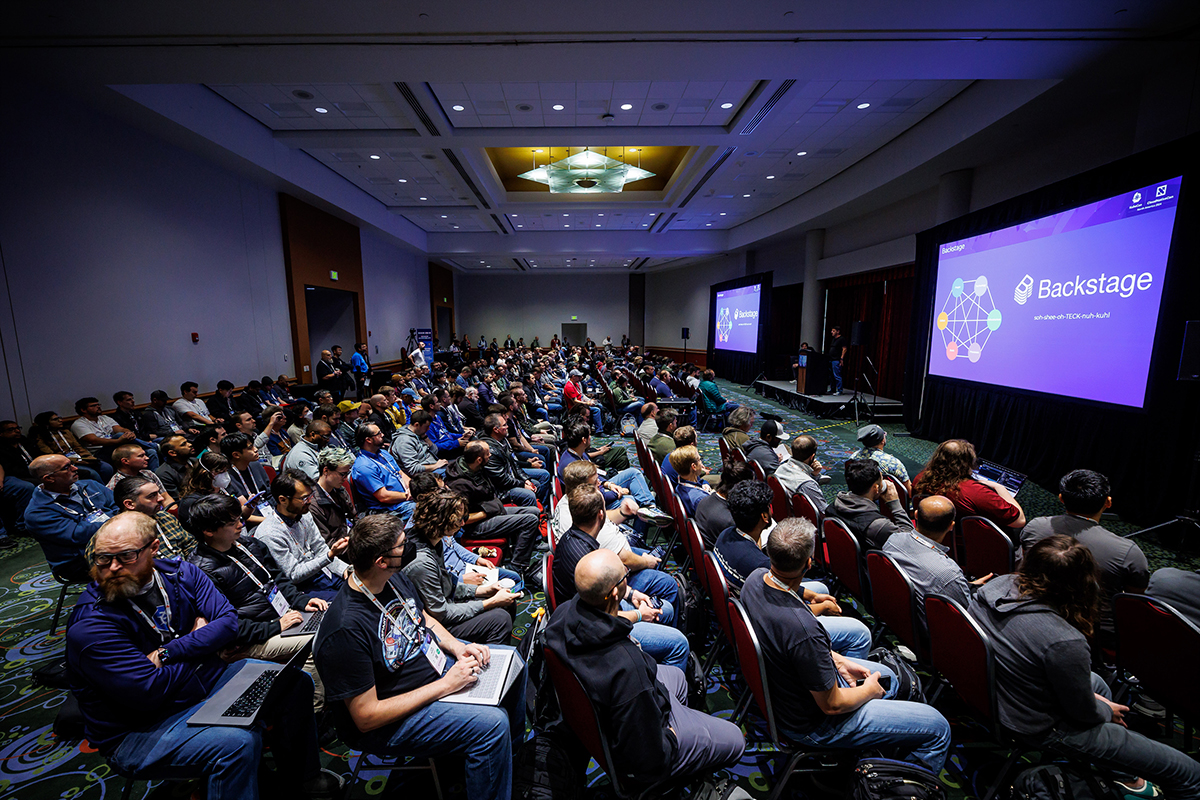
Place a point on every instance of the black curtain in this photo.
(729, 364)
(1148, 455)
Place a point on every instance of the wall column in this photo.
(813, 300)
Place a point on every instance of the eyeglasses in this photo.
(125, 556)
(624, 578)
(63, 468)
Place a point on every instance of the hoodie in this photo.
(761, 452)
(633, 708)
(1043, 665)
(796, 477)
(869, 526)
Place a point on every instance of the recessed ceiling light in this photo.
(626, 106)
(424, 198)
(489, 266)
(458, 108)
(482, 262)
(722, 213)
(726, 105)
(802, 153)
(514, 215)
(708, 224)
(520, 226)
(455, 227)
(770, 177)
(444, 216)
(557, 107)
(745, 195)
(599, 215)
(597, 224)
(861, 106)
(402, 180)
(566, 215)
(374, 157)
(645, 225)
(320, 110)
(566, 226)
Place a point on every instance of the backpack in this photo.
(690, 612)
(549, 768)
(910, 684)
(1059, 782)
(541, 703)
(887, 779)
(629, 426)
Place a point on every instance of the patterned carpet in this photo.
(35, 764)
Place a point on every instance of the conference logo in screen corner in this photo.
(724, 325)
(1024, 290)
(969, 317)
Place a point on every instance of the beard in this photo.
(124, 585)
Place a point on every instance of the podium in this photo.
(812, 376)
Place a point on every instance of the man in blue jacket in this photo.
(144, 651)
(64, 513)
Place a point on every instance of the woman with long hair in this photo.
(477, 614)
(1039, 621)
(948, 474)
(209, 475)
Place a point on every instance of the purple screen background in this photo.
(1037, 345)
(737, 319)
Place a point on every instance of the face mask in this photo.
(222, 481)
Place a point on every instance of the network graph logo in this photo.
(968, 318)
(724, 325)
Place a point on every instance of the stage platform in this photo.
(882, 409)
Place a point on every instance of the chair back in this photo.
(986, 548)
(580, 714)
(270, 471)
(718, 592)
(693, 546)
(895, 601)
(781, 506)
(755, 467)
(724, 445)
(558, 487)
(803, 507)
(844, 556)
(901, 492)
(643, 454)
(1141, 619)
(548, 580)
(750, 659)
(962, 653)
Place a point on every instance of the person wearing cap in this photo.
(350, 417)
(873, 438)
(762, 449)
(573, 393)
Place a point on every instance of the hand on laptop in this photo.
(316, 604)
(290, 619)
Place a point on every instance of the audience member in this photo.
(712, 515)
(126, 416)
(248, 479)
(162, 421)
(304, 456)
(412, 448)
(628, 481)
(800, 473)
(139, 493)
(210, 476)
(1179, 589)
(1039, 620)
(662, 443)
(573, 395)
(332, 508)
(190, 408)
(648, 428)
(710, 400)
(64, 513)
(737, 428)
(176, 466)
(382, 658)
(815, 691)
(381, 415)
(329, 377)
(376, 477)
(685, 462)
(290, 533)
(101, 434)
(948, 473)
(50, 436)
(133, 459)
(525, 486)
(859, 507)
(873, 439)
(143, 652)
(16, 484)
(762, 450)
(221, 404)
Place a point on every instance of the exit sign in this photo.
(574, 318)
(333, 276)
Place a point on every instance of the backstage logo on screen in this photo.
(724, 325)
(1024, 290)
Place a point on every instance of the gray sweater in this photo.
(446, 602)
(1043, 665)
(299, 550)
(412, 452)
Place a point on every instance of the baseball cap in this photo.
(773, 428)
(346, 405)
(576, 373)
(871, 435)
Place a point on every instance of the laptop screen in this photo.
(1008, 478)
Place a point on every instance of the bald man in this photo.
(640, 703)
(926, 561)
(329, 376)
(64, 513)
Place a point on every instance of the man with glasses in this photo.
(64, 513)
(376, 476)
(290, 533)
(139, 493)
(143, 652)
(640, 705)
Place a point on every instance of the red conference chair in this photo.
(270, 471)
(1147, 629)
(721, 443)
(781, 507)
(844, 557)
(803, 507)
(548, 581)
(718, 595)
(986, 548)
(756, 468)
(901, 492)
(895, 602)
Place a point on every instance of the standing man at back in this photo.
(837, 357)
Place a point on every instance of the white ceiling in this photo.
(931, 75)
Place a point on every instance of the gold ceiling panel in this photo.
(510, 162)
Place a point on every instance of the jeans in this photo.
(634, 408)
(664, 644)
(541, 482)
(323, 586)
(633, 480)
(847, 636)
(835, 367)
(919, 732)
(668, 611)
(483, 734)
(706, 743)
(228, 757)
(597, 419)
(1118, 748)
(519, 526)
(654, 582)
(15, 495)
(520, 496)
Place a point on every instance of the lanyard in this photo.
(169, 633)
(378, 457)
(253, 484)
(249, 572)
(779, 585)
(62, 438)
(412, 615)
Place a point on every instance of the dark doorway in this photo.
(574, 332)
(444, 330)
(331, 320)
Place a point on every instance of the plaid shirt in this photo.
(173, 541)
(887, 462)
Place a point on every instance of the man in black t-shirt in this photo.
(813, 689)
(837, 357)
(383, 660)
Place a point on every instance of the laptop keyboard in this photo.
(488, 678)
(249, 701)
(313, 622)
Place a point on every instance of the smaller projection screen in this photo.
(737, 319)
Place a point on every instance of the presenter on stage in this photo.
(837, 357)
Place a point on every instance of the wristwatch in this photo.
(164, 656)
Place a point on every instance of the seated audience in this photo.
(101, 434)
(1123, 566)
(573, 395)
(190, 408)
(525, 486)
(712, 515)
(177, 464)
(859, 507)
(800, 473)
(382, 659)
(762, 450)
(412, 448)
(1039, 620)
(447, 443)
(662, 443)
(332, 508)
(661, 642)
(629, 481)
(376, 477)
(64, 513)
(710, 400)
(161, 421)
(481, 614)
(16, 484)
(132, 459)
(209, 439)
(266, 601)
(221, 404)
(50, 436)
(948, 473)
(1178, 588)
(380, 416)
(873, 439)
(144, 651)
(685, 462)
(648, 428)
(640, 705)
(304, 456)
(925, 560)
(290, 534)
(737, 429)
(139, 493)
(815, 692)
(272, 438)
(487, 516)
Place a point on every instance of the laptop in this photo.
(1008, 478)
(502, 671)
(312, 621)
(238, 703)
